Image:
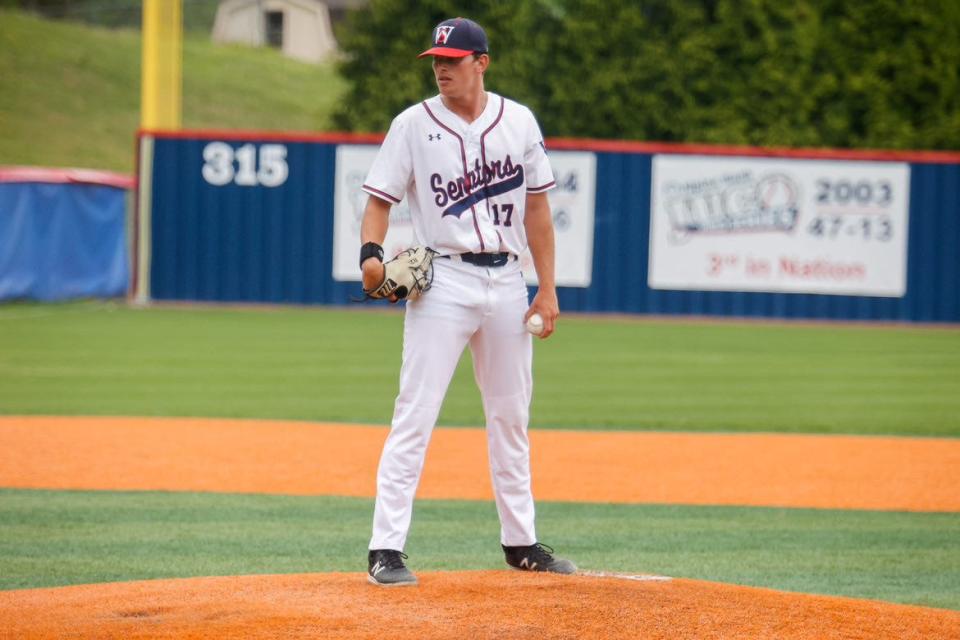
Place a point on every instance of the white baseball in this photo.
(535, 324)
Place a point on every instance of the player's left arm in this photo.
(538, 222)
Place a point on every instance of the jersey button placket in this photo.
(472, 143)
(475, 158)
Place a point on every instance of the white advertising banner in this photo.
(572, 203)
(779, 225)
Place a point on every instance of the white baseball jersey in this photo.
(466, 183)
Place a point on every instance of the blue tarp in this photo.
(62, 241)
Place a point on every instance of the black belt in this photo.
(485, 259)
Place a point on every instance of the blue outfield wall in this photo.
(622, 241)
(241, 244)
(254, 243)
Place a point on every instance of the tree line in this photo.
(881, 74)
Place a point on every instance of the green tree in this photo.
(382, 40)
(875, 73)
(889, 74)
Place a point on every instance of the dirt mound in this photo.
(473, 605)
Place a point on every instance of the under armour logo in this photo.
(433, 136)
(442, 34)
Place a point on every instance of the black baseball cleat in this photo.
(537, 557)
(385, 568)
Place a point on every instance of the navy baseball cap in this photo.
(457, 38)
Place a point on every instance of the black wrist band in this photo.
(370, 250)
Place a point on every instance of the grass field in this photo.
(70, 93)
(105, 358)
(595, 373)
(56, 538)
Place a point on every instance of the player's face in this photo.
(459, 77)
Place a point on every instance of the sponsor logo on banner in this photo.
(800, 226)
(571, 202)
(732, 204)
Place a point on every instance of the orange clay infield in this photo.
(298, 458)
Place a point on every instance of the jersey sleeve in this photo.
(392, 169)
(536, 164)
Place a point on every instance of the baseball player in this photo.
(475, 173)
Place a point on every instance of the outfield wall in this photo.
(641, 228)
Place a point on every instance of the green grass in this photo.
(342, 365)
(70, 93)
(50, 538)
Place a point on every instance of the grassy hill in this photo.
(70, 93)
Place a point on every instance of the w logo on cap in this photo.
(443, 33)
(457, 37)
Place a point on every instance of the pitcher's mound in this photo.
(470, 605)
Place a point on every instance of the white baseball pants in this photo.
(482, 307)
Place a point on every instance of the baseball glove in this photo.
(407, 276)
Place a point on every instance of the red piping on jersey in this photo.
(483, 151)
(483, 147)
(543, 188)
(466, 175)
(483, 154)
(386, 195)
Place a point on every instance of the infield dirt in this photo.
(301, 458)
(319, 459)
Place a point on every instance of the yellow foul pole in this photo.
(161, 71)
